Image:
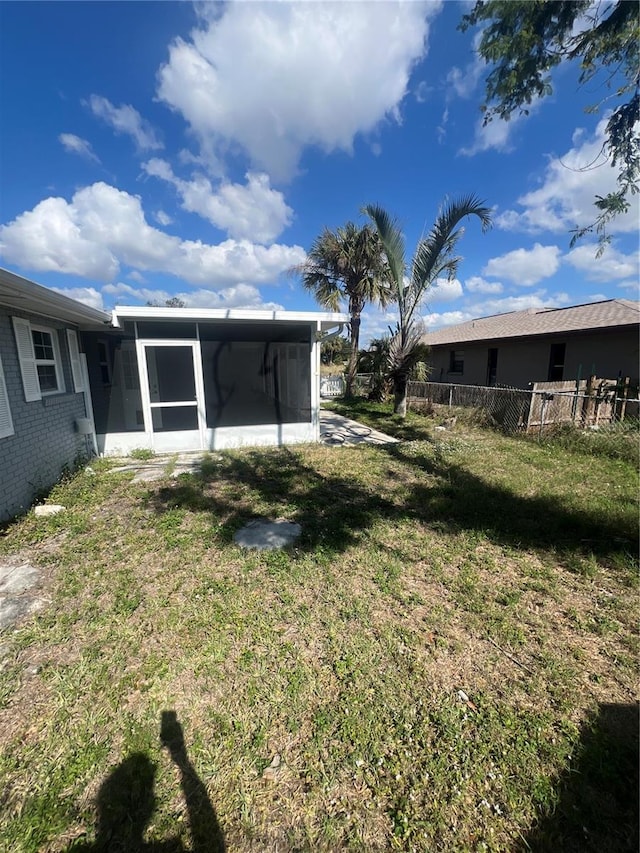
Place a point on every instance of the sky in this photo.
(151, 150)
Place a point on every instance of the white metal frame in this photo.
(56, 361)
(155, 439)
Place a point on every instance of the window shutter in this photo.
(76, 367)
(26, 356)
(6, 424)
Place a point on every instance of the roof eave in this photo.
(137, 312)
(22, 294)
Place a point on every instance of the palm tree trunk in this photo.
(352, 367)
(400, 395)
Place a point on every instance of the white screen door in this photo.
(174, 410)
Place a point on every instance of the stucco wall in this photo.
(44, 440)
(604, 354)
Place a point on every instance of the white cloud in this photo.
(464, 82)
(240, 296)
(163, 218)
(87, 295)
(633, 286)
(525, 267)
(103, 227)
(494, 135)
(422, 91)
(447, 318)
(136, 276)
(375, 323)
(274, 78)
(489, 307)
(568, 189)
(125, 119)
(537, 299)
(444, 290)
(253, 211)
(441, 129)
(50, 238)
(611, 264)
(477, 284)
(76, 145)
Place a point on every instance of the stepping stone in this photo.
(43, 510)
(15, 582)
(149, 475)
(265, 535)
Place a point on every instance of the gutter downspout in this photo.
(320, 338)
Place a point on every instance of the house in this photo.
(539, 344)
(75, 379)
(44, 402)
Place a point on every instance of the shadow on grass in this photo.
(544, 524)
(336, 512)
(597, 800)
(126, 803)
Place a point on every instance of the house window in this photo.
(39, 357)
(47, 360)
(456, 361)
(103, 361)
(556, 362)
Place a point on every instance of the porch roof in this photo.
(327, 320)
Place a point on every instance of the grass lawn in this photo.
(447, 660)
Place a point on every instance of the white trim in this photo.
(6, 421)
(260, 435)
(137, 312)
(88, 402)
(27, 359)
(21, 294)
(56, 361)
(76, 366)
(179, 439)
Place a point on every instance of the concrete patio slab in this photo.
(339, 431)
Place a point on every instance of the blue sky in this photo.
(154, 149)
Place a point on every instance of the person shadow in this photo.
(126, 803)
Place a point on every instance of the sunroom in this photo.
(180, 379)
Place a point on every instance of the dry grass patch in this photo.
(445, 660)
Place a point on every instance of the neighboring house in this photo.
(42, 396)
(73, 378)
(539, 344)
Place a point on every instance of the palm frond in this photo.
(434, 253)
(406, 349)
(392, 241)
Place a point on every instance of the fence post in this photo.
(623, 401)
(588, 405)
(450, 395)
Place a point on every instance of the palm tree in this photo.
(347, 264)
(374, 361)
(433, 259)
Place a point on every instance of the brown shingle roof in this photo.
(540, 321)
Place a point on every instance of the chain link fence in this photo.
(593, 403)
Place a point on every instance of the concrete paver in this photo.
(338, 430)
